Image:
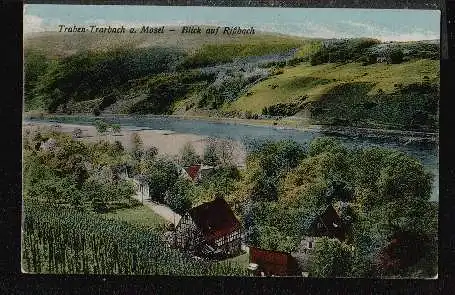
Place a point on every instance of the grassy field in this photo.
(241, 260)
(315, 81)
(140, 215)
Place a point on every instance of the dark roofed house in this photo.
(209, 228)
(328, 223)
(272, 263)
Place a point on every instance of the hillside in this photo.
(353, 82)
(354, 87)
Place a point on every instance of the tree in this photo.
(396, 56)
(403, 178)
(325, 144)
(210, 156)
(101, 126)
(225, 152)
(161, 174)
(150, 153)
(77, 132)
(330, 258)
(178, 197)
(188, 155)
(136, 145)
(116, 128)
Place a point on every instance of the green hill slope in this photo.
(355, 82)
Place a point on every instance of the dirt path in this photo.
(159, 209)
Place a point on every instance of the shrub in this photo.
(188, 155)
(396, 56)
(178, 196)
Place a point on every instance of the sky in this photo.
(386, 25)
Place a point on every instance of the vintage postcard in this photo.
(224, 141)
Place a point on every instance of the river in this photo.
(427, 153)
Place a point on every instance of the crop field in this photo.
(65, 241)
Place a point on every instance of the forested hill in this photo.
(355, 82)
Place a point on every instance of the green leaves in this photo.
(330, 258)
(403, 178)
(161, 174)
(188, 155)
(179, 196)
(64, 241)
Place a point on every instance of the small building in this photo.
(193, 172)
(209, 228)
(272, 263)
(328, 223)
(197, 172)
(142, 186)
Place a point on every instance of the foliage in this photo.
(116, 128)
(225, 89)
(63, 241)
(136, 145)
(188, 155)
(73, 172)
(396, 56)
(410, 107)
(267, 162)
(284, 109)
(161, 174)
(101, 126)
(403, 178)
(210, 155)
(178, 197)
(94, 74)
(330, 258)
(212, 54)
(164, 89)
(344, 50)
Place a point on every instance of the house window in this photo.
(310, 245)
(320, 225)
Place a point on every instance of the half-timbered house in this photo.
(209, 228)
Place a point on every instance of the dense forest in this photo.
(257, 79)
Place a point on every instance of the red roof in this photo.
(273, 262)
(215, 219)
(193, 171)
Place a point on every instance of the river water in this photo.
(427, 153)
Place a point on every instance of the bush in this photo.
(282, 109)
(188, 155)
(99, 205)
(396, 56)
(178, 197)
(330, 258)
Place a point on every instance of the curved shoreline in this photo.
(348, 131)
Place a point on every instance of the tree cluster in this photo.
(381, 195)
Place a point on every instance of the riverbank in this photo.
(291, 123)
(166, 141)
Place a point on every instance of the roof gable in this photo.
(215, 219)
(193, 171)
(332, 224)
(273, 262)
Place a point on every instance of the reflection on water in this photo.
(427, 153)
